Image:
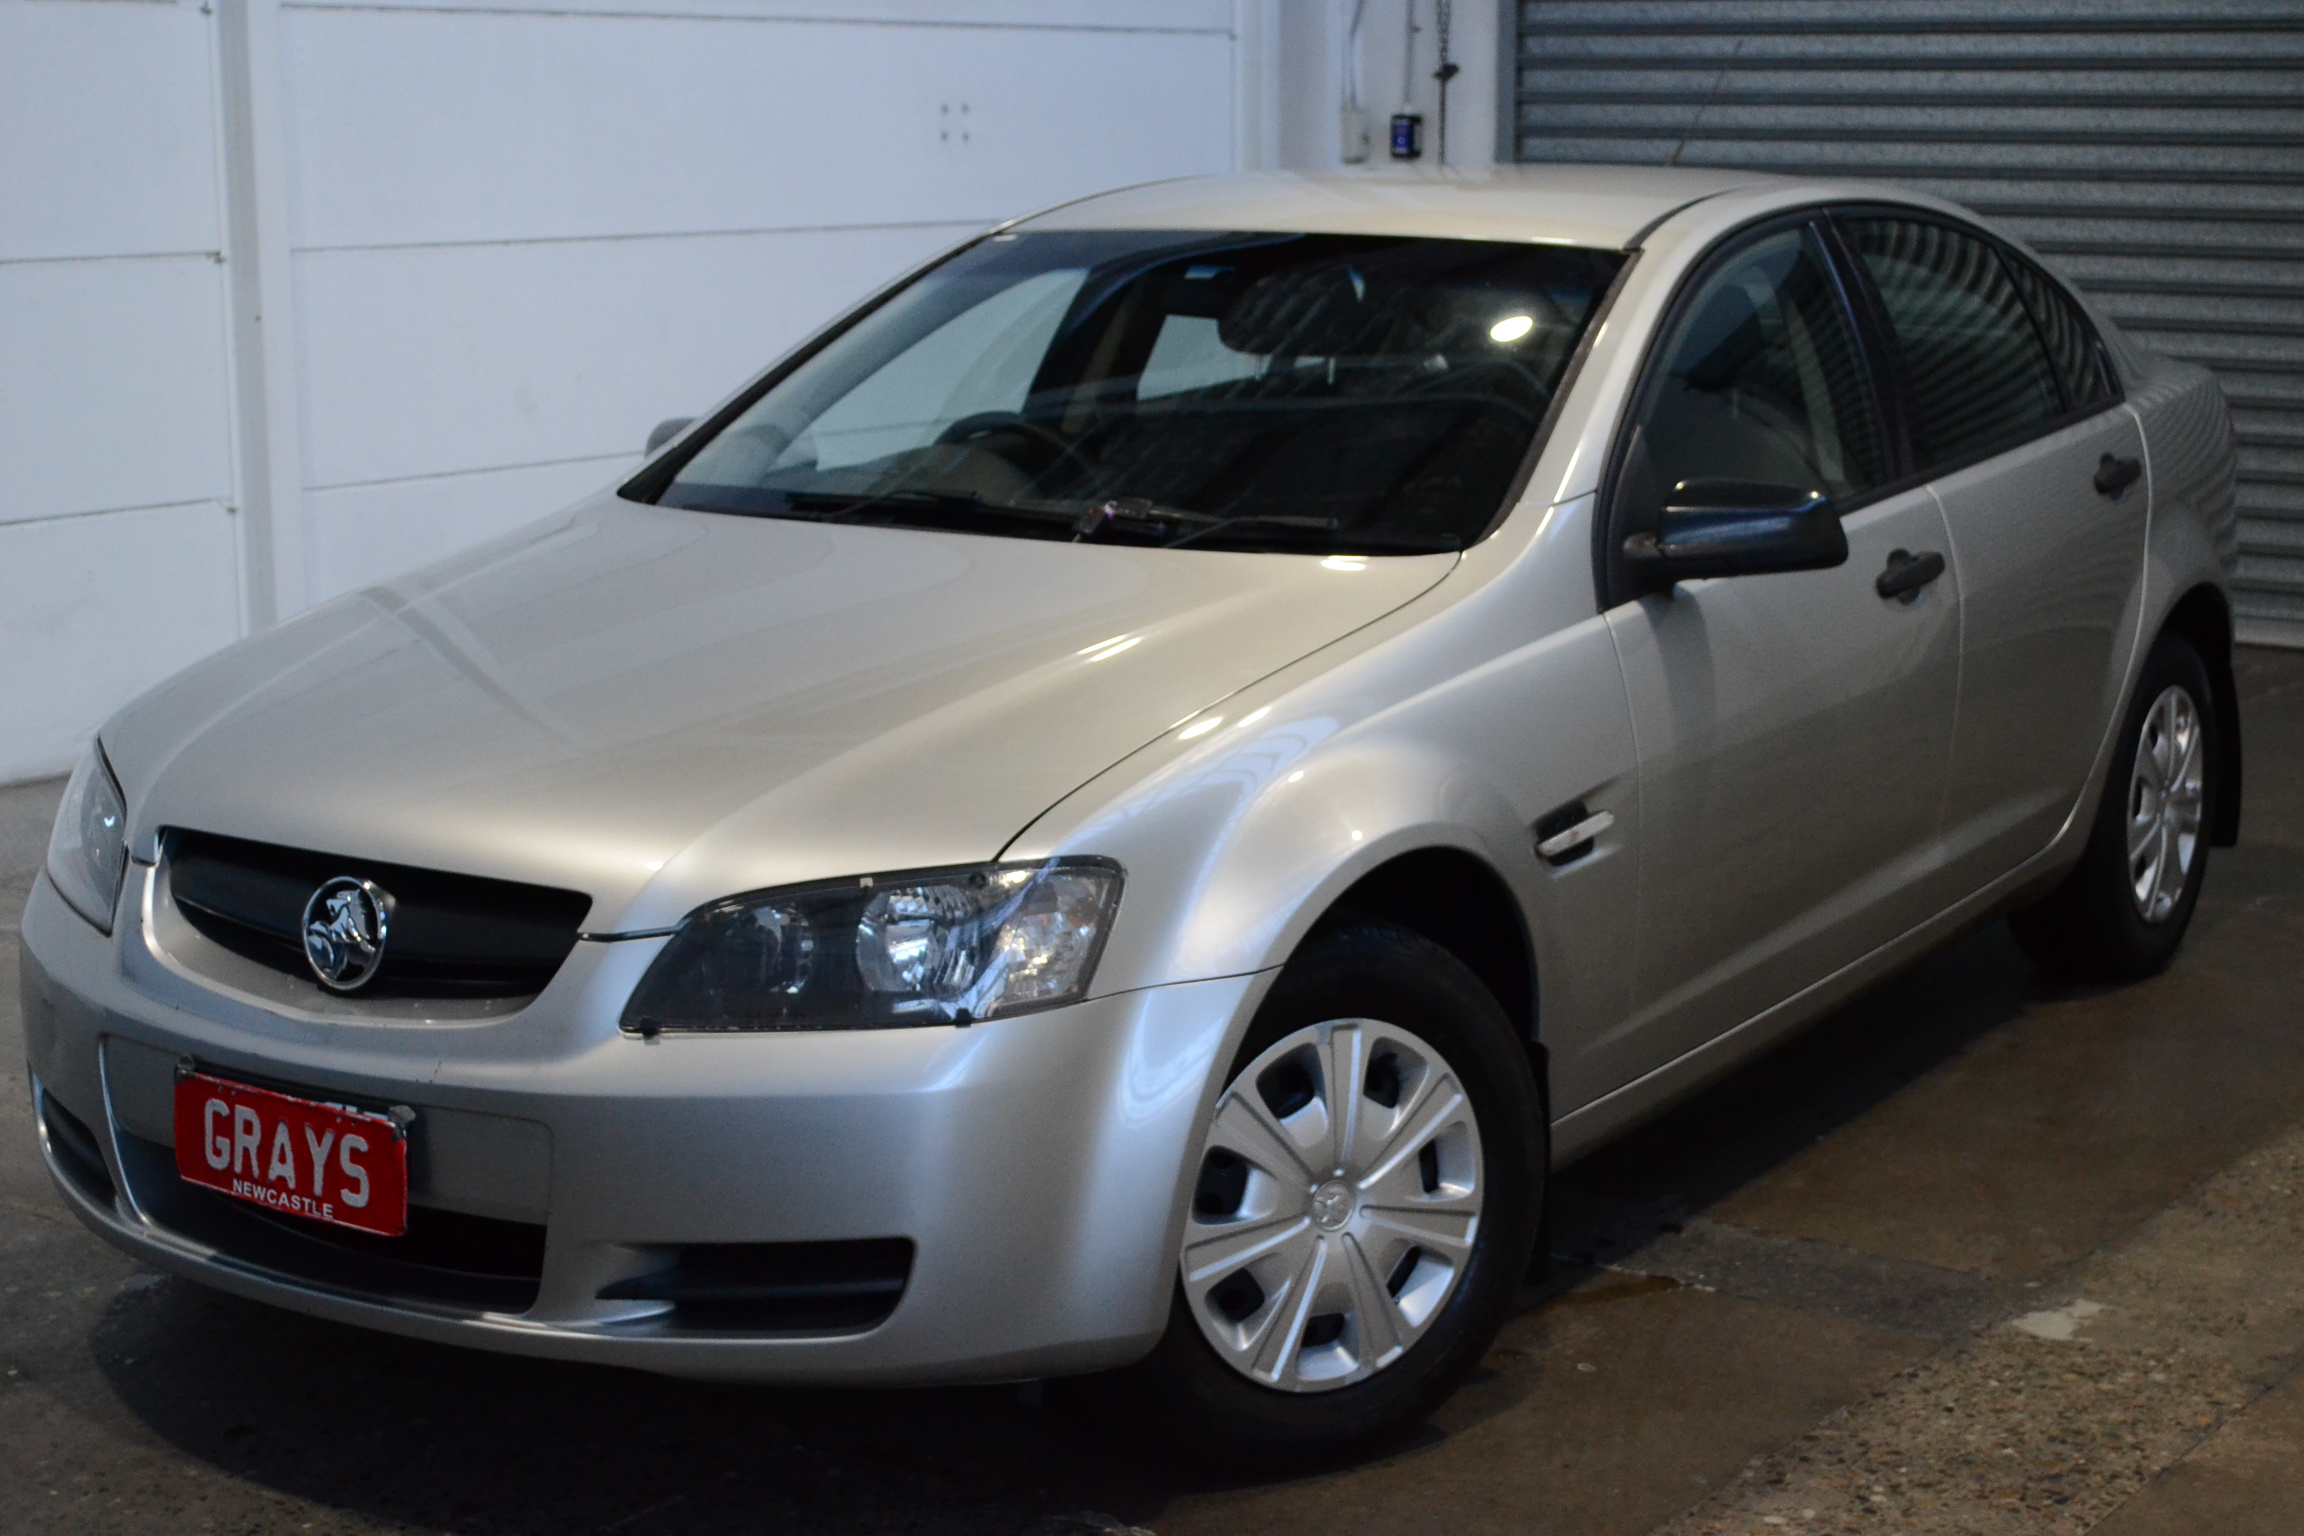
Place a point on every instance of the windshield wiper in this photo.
(1090, 518)
(1086, 521)
(1336, 542)
(1259, 520)
(960, 507)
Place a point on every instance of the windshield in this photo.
(1339, 394)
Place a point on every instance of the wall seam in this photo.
(861, 23)
(484, 469)
(674, 234)
(35, 520)
(263, 353)
(83, 258)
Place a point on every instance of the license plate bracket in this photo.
(322, 1162)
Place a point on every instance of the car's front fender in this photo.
(1238, 842)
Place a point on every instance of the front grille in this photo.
(451, 935)
(469, 1262)
(845, 1286)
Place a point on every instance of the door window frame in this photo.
(1611, 579)
(1884, 366)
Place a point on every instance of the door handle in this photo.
(1907, 572)
(2114, 475)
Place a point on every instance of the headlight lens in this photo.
(935, 947)
(88, 850)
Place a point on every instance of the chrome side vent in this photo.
(1568, 834)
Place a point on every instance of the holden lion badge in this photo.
(344, 929)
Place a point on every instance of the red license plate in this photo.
(323, 1162)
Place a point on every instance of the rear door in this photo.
(2015, 417)
(1793, 728)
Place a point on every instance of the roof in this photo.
(1589, 205)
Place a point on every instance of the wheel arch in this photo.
(2204, 619)
(1460, 902)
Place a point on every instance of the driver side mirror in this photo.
(666, 430)
(1737, 528)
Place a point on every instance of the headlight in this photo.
(88, 850)
(936, 947)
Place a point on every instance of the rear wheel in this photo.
(2123, 910)
(1367, 1192)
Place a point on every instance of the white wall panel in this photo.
(431, 126)
(113, 386)
(1134, 15)
(514, 233)
(364, 533)
(93, 610)
(107, 142)
(425, 362)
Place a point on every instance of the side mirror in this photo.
(1737, 528)
(666, 430)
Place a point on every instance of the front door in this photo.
(2040, 472)
(1793, 729)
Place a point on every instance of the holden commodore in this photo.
(1120, 808)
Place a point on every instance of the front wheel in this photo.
(2121, 913)
(1365, 1200)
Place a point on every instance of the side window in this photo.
(2072, 345)
(1973, 363)
(1761, 380)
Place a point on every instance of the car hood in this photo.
(658, 707)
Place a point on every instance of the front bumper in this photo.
(1036, 1164)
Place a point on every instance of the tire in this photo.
(2121, 913)
(1411, 1023)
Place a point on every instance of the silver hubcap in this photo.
(1338, 1197)
(2164, 799)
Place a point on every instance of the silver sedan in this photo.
(1116, 811)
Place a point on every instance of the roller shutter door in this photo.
(2153, 151)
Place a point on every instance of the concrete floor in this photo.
(1975, 1255)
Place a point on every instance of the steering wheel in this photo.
(1454, 378)
(984, 423)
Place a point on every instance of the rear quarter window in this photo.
(1974, 367)
(2073, 348)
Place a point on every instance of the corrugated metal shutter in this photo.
(2152, 150)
